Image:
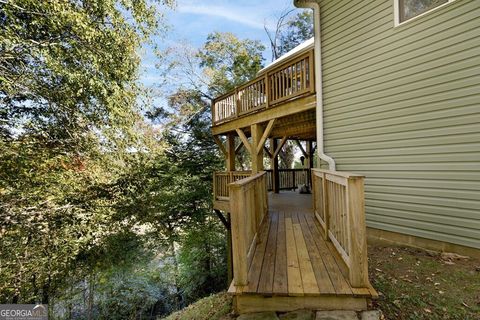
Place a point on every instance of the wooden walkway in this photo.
(292, 258)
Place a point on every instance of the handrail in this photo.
(221, 180)
(339, 205)
(247, 180)
(292, 79)
(248, 208)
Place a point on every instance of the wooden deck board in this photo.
(256, 266)
(265, 285)
(280, 284)
(295, 287)
(293, 259)
(309, 282)
(339, 283)
(323, 279)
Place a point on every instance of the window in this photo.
(408, 9)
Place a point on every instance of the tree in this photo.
(290, 32)
(68, 120)
(228, 61)
(221, 64)
(69, 65)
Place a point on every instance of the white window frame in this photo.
(396, 6)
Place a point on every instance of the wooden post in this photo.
(358, 269)
(238, 209)
(310, 154)
(257, 153)
(310, 161)
(237, 103)
(213, 110)
(229, 251)
(274, 165)
(230, 152)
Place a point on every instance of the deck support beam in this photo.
(220, 145)
(265, 135)
(239, 147)
(279, 147)
(257, 155)
(244, 139)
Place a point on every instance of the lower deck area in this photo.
(293, 267)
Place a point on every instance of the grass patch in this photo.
(214, 307)
(416, 284)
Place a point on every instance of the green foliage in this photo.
(71, 65)
(68, 121)
(297, 30)
(43, 225)
(128, 294)
(202, 260)
(229, 61)
(91, 193)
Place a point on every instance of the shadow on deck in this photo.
(293, 267)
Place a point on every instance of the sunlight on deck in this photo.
(291, 258)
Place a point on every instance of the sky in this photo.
(191, 21)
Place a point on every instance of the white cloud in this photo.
(229, 13)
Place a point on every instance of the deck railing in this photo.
(248, 207)
(221, 180)
(289, 179)
(339, 206)
(291, 79)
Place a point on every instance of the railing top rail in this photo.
(223, 96)
(342, 174)
(233, 172)
(290, 169)
(245, 181)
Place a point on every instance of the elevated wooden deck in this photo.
(293, 266)
(284, 93)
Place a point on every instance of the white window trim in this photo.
(396, 7)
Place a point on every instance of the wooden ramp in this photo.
(293, 267)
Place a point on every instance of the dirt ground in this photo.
(417, 284)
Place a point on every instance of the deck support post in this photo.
(256, 154)
(230, 152)
(310, 154)
(274, 166)
(310, 161)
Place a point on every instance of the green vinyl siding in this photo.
(402, 107)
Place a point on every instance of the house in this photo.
(388, 90)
